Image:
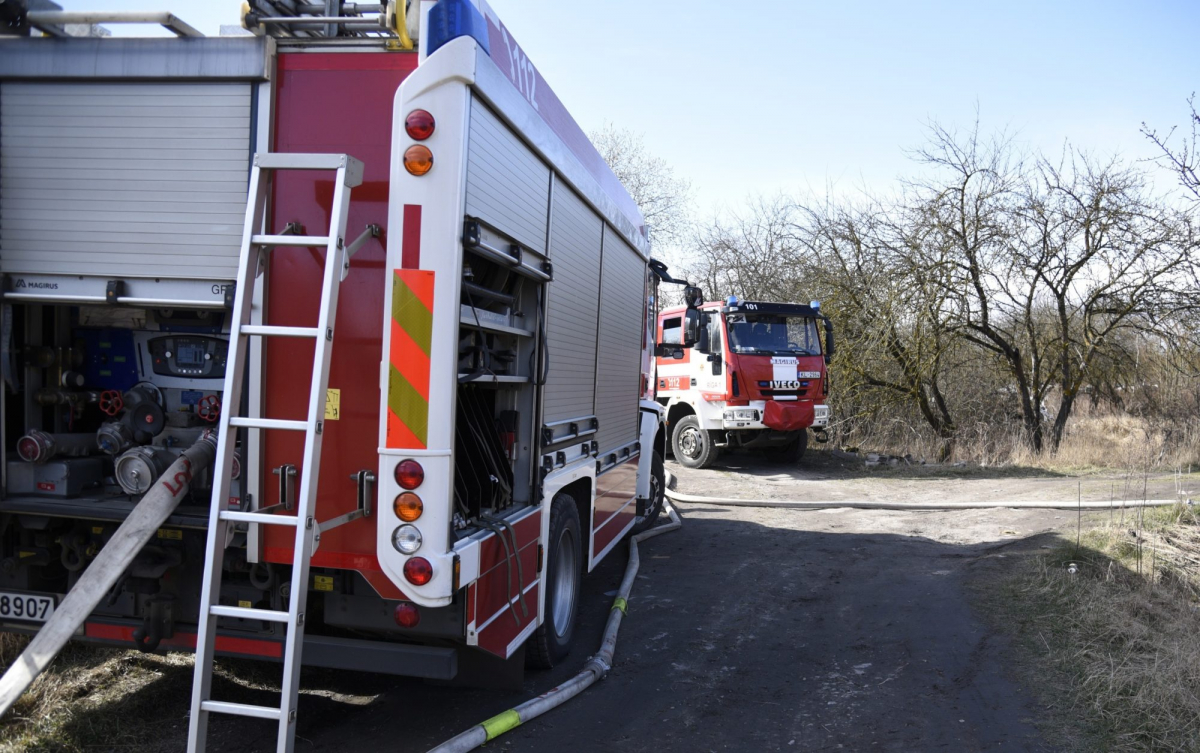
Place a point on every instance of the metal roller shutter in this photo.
(619, 346)
(123, 179)
(575, 237)
(508, 187)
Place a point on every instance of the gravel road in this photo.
(763, 630)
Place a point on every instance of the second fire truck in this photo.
(757, 377)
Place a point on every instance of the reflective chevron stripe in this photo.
(408, 378)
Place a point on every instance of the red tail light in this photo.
(418, 571)
(407, 615)
(409, 474)
(419, 125)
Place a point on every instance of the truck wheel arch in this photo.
(677, 411)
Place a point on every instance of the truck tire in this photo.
(658, 494)
(794, 450)
(693, 446)
(551, 642)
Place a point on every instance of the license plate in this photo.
(25, 607)
(785, 385)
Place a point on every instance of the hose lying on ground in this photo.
(595, 668)
(129, 538)
(787, 504)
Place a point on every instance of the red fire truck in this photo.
(411, 476)
(756, 377)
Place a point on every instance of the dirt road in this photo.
(762, 630)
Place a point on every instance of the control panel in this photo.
(190, 356)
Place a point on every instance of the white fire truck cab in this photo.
(756, 377)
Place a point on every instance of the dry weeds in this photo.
(1101, 441)
(1116, 619)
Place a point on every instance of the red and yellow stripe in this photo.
(408, 380)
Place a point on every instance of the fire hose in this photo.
(1021, 504)
(143, 521)
(595, 669)
(598, 666)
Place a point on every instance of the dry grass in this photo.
(97, 699)
(109, 699)
(1097, 442)
(1119, 632)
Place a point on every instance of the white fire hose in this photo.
(861, 504)
(129, 538)
(595, 668)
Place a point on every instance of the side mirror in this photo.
(691, 327)
(829, 350)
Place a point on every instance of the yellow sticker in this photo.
(170, 533)
(245, 604)
(333, 404)
(322, 582)
(97, 529)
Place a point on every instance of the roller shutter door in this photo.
(575, 237)
(123, 179)
(508, 186)
(619, 345)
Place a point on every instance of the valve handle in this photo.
(209, 409)
(111, 402)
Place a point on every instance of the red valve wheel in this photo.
(209, 409)
(111, 402)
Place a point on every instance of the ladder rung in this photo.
(262, 518)
(241, 709)
(268, 423)
(301, 161)
(291, 240)
(264, 330)
(249, 613)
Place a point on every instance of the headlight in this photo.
(741, 414)
(406, 539)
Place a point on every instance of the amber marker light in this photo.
(418, 160)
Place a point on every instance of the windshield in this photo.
(773, 334)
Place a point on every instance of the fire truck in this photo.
(368, 257)
(756, 377)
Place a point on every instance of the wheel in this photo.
(551, 642)
(658, 494)
(793, 451)
(692, 445)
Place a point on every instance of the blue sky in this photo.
(760, 97)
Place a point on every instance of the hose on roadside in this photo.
(595, 669)
(863, 504)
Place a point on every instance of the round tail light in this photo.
(419, 125)
(408, 507)
(409, 474)
(406, 539)
(418, 571)
(407, 615)
(418, 160)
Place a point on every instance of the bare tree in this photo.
(1183, 160)
(663, 197)
(753, 253)
(1050, 262)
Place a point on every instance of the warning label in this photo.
(333, 404)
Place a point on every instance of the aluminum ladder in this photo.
(254, 248)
